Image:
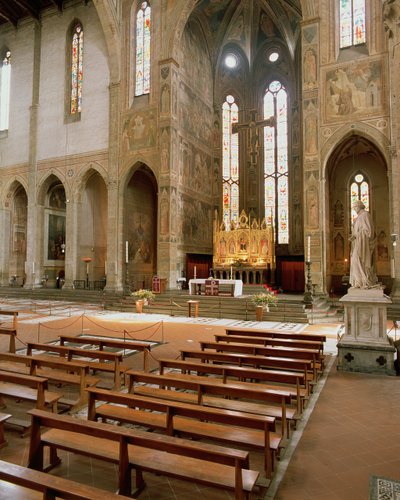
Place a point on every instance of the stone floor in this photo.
(349, 430)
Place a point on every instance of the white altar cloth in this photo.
(237, 285)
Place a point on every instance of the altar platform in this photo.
(234, 288)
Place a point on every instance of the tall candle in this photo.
(126, 253)
(308, 248)
(231, 273)
(194, 272)
(33, 268)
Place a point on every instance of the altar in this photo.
(197, 286)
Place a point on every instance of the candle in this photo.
(105, 268)
(33, 268)
(393, 270)
(126, 253)
(194, 272)
(308, 248)
(231, 272)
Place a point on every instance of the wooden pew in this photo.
(270, 341)
(136, 345)
(286, 352)
(128, 449)
(177, 418)
(294, 382)
(50, 486)
(202, 386)
(10, 331)
(56, 370)
(27, 388)
(107, 361)
(303, 365)
(255, 332)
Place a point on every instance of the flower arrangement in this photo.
(143, 294)
(265, 299)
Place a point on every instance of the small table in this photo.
(194, 303)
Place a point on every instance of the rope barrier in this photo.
(62, 327)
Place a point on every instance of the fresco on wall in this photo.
(354, 89)
(196, 222)
(195, 170)
(195, 116)
(139, 130)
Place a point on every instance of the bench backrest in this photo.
(101, 343)
(210, 386)
(177, 408)
(125, 436)
(52, 486)
(274, 333)
(74, 351)
(281, 376)
(38, 383)
(264, 341)
(293, 352)
(248, 359)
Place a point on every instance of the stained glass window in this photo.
(352, 22)
(276, 171)
(359, 190)
(143, 38)
(5, 79)
(76, 69)
(230, 162)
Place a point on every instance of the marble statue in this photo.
(363, 240)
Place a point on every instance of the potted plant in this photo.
(263, 301)
(142, 296)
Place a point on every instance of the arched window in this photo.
(230, 162)
(352, 22)
(276, 172)
(143, 39)
(76, 69)
(359, 190)
(5, 80)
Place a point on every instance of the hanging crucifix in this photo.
(253, 127)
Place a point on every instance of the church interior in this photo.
(205, 147)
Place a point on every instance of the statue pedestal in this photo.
(365, 346)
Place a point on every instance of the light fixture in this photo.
(273, 56)
(394, 239)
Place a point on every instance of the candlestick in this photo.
(194, 272)
(33, 268)
(231, 273)
(308, 248)
(126, 253)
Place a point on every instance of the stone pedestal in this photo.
(365, 346)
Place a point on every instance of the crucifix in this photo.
(253, 127)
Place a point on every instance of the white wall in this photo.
(56, 138)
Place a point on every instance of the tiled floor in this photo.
(350, 430)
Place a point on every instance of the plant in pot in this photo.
(263, 301)
(142, 297)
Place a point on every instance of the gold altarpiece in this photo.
(244, 250)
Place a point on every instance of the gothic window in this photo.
(359, 190)
(276, 172)
(76, 69)
(352, 22)
(5, 79)
(230, 162)
(143, 39)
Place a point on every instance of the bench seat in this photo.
(197, 462)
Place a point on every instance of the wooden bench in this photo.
(107, 361)
(313, 355)
(129, 449)
(177, 418)
(26, 388)
(255, 332)
(202, 386)
(52, 486)
(14, 314)
(303, 365)
(294, 382)
(123, 345)
(56, 370)
(271, 341)
(3, 418)
(10, 331)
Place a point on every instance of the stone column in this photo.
(5, 228)
(33, 268)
